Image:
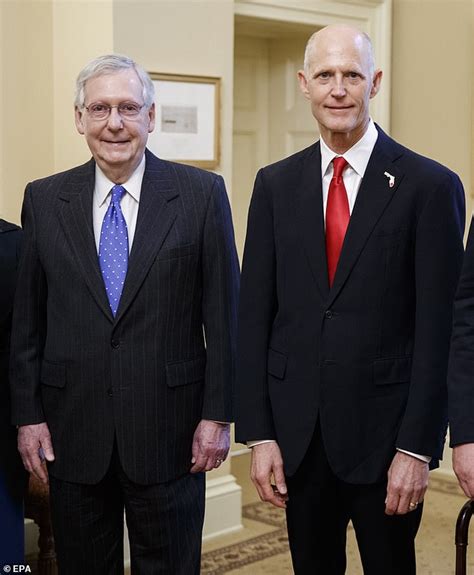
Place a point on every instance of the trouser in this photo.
(164, 524)
(319, 509)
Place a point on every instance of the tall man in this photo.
(123, 337)
(353, 251)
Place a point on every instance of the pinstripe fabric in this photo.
(164, 523)
(135, 385)
(148, 376)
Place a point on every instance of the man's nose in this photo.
(338, 87)
(114, 121)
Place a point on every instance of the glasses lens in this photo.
(99, 111)
(129, 109)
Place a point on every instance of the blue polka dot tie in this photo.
(113, 249)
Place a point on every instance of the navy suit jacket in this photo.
(146, 377)
(368, 356)
(13, 477)
(461, 359)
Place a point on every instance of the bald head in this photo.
(339, 80)
(336, 38)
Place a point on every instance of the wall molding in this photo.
(372, 16)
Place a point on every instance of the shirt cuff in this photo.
(259, 442)
(219, 422)
(425, 458)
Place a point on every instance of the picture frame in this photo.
(187, 119)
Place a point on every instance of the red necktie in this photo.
(337, 217)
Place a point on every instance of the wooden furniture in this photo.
(37, 508)
(461, 538)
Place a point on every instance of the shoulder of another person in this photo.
(8, 227)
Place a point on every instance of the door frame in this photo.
(372, 16)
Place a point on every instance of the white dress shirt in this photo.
(129, 204)
(357, 158)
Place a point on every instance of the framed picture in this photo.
(187, 119)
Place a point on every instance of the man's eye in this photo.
(98, 108)
(129, 107)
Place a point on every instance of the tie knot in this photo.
(339, 164)
(118, 193)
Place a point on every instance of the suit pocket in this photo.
(53, 374)
(276, 364)
(177, 252)
(185, 372)
(392, 370)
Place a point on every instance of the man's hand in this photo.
(211, 444)
(34, 445)
(267, 462)
(407, 484)
(463, 465)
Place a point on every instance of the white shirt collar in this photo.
(133, 185)
(358, 156)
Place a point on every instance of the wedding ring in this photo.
(413, 504)
(218, 461)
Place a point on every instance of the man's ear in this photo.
(377, 79)
(78, 116)
(303, 83)
(151, 118)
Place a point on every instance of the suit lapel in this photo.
(308, 203)
(373, 197)
(156, 215)
(75, 215)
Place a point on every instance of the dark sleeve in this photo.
(461, 360)
(29, 325)
(438, 260)
(254, 420)
(9, 252)
(219, 305)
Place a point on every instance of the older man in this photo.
(123, 337)
(353, 251)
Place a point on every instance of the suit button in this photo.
(110, 392)
(115, 343)
(328, 314)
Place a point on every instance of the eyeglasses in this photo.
(127, 110)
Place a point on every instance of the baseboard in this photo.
(223, 507)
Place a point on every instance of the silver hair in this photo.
(110, 64)
(310, 45)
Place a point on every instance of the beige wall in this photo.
(183, 37)
(432, 69)
(26, 113)
(43, 44)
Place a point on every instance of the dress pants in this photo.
(319, 509)
(13, 483)
(164, 524)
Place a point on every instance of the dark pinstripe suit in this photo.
(146, 378)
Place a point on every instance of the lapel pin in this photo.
(391, 179)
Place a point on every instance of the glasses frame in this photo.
(107, 116)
